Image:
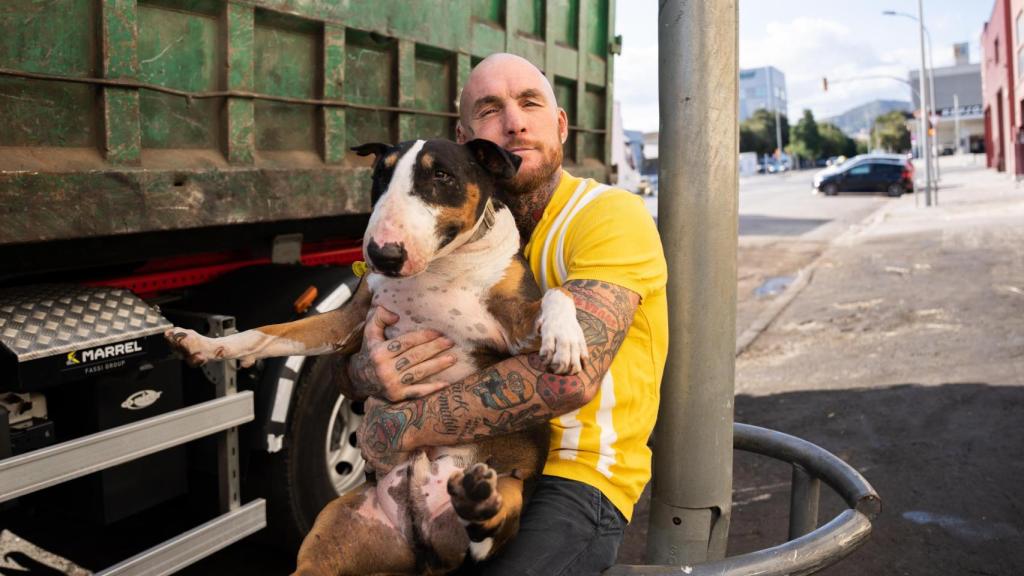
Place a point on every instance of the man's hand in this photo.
(398, 369)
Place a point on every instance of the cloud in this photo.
(861, 66)
(809, 49)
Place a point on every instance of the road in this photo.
(782, 206)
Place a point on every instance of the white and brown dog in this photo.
(444, 254)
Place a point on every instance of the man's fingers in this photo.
(421, 390)
(414, 354)
(427, 368)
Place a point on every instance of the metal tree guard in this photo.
(691, 488)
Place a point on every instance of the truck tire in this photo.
(319, 460)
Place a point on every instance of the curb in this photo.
(803, 279)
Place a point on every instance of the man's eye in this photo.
(528, 103)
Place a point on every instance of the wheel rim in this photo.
(344, 462)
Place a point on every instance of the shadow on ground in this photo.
(948, 462)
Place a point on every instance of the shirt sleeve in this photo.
(614, 239)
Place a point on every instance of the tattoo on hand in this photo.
(394, 346)
(408, 378)
(366, 381)
(402, 364)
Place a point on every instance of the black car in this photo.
(890, 174)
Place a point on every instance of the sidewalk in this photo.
(904, 355)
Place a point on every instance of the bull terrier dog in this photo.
(443, 253)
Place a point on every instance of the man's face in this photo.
(509, 102)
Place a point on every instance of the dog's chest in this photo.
(455, 307)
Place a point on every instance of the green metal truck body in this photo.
(121, 117)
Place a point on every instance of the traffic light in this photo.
(824, 83)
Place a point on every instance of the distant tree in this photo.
(834, 142)
(891, 131)
(757, 133)
(807, 142)
(862, 146)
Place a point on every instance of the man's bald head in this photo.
(508, 101)
(501, 64)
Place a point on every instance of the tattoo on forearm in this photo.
(515, 395)
(390, 422)
(499, 393)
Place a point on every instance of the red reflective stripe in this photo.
(151, 283)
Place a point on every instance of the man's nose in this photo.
(514, 121)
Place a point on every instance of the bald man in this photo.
(601, 245)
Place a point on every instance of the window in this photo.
(860, 170)
(1017, 28)
(995, 50)
(1020, 63)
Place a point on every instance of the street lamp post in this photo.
(927, 147)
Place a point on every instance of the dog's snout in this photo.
(388, 259)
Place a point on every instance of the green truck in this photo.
(186, 162)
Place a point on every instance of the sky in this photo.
(807, 40)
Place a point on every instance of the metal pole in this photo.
(805, 493)
(925, 147)
(956, 122)
(933, 106)
(691, 491)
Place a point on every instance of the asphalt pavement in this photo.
(904, 355)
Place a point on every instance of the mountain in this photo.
(859, 119)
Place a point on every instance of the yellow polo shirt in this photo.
(594, 232)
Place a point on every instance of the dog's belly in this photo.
(417, 490)
(453, 308)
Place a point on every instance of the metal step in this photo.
(46, 467)
(189, 547)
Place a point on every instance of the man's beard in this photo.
(528, 182)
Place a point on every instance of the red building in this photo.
(1000, 77)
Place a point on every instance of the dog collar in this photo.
(486, 222)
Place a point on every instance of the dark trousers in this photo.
(568, 528)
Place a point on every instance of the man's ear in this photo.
(501, 163)
(378, 149)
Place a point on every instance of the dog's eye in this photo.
(442, 176)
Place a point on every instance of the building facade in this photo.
(1000, 44)
(762, 88)
(958, 108)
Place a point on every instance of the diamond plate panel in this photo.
(54, 319)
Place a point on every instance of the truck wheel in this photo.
(319, 460)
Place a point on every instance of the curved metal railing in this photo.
(810, 548)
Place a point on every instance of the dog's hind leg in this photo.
(352, 536)
(339, 330)
(489, 507)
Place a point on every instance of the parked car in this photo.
(889, 173)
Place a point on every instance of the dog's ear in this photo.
(378, 149)
(501, 163)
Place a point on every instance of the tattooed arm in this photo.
(512, 395)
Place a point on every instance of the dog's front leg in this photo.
(339, 330)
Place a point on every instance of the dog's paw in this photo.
(474, 492)
(195, 348)
(563, 347)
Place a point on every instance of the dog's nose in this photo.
(388, 259)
